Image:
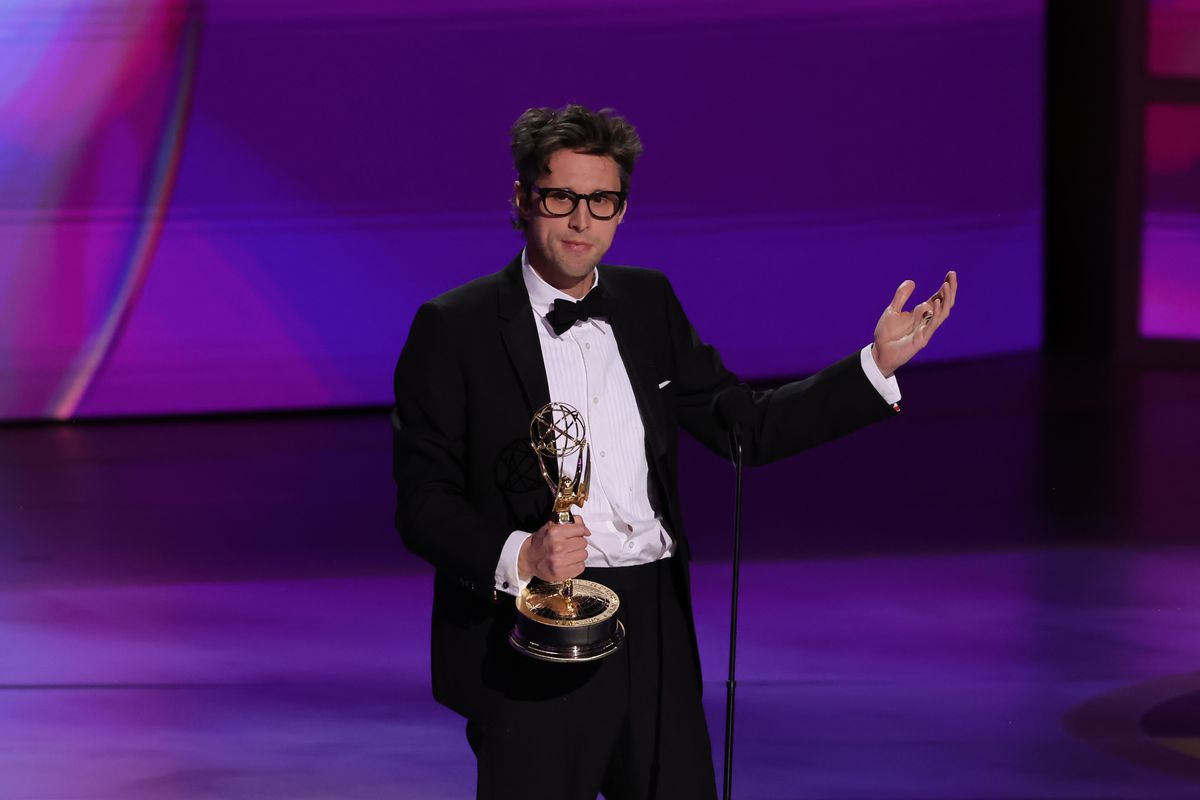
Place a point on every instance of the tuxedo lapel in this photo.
(637, 354)
(518, 331)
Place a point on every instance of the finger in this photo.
(923, 316)
(940, 312)
(944, 291)
(570, 530)
(566, 568)
(923, 313)
(903, 292)
(561, 562)
(566, 553)
(571, 545)
(575, 545)
(946, 300)
(938, 306)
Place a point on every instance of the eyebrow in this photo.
(569, 189)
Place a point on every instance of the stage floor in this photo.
(994, 596)
(994, 675)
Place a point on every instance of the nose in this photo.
(581, 218)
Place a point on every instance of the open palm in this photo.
(900, 334)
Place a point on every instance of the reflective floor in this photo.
(220, 609)
(916, 677)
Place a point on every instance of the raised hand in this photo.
(901, 334)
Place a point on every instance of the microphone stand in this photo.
(735, 451)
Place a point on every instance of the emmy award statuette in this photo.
(575, 620)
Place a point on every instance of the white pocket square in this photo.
(663, 384)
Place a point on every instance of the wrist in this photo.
(524, 568)
(884, 370)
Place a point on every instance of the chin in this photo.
(581, 271)
(577, 267)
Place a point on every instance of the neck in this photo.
(567, 284)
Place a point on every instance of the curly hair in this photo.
(540, 132)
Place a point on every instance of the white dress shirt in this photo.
(584, 369)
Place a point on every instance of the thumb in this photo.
(903, 292)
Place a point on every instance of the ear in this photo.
(520, 200)
(621, 216)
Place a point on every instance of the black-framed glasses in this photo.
(563, 202)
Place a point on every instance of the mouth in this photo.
(576, 246)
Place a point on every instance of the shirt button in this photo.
(595, 401)
(587, 345)
(602, 454)
(629, 545)
(505, 584)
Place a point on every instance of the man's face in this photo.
(565, 250)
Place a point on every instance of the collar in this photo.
(541, 294)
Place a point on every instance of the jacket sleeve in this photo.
(775, 423)
(429, 424)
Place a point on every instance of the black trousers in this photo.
(630, 726)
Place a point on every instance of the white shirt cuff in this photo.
(507, 579)
(888, 388)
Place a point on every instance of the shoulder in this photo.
(648, 290)
(633, 276)
(640, 284)
(460, 315)
(471, 296)
(475, 306)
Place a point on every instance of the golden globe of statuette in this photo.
(557, 431)
(575, 620)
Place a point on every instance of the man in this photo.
(614, 343)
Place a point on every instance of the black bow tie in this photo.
(565, 313)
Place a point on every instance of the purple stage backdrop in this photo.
(239, 204)
(1170, 301)
(1171, 226)
(1174, 47)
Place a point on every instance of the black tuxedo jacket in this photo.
(467, 383)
